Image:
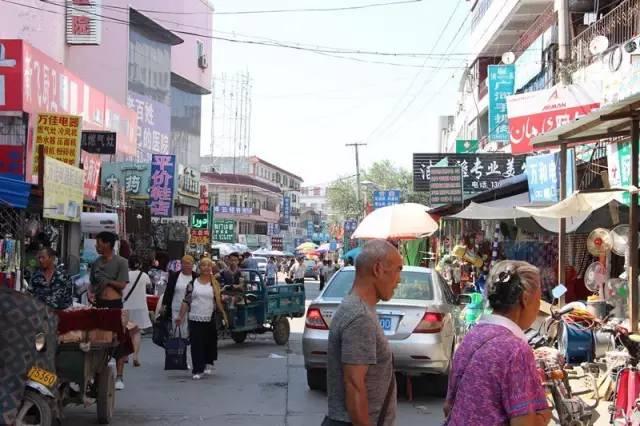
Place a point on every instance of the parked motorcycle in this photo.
(28, 339)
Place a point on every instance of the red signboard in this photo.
(91, 164)
(535, 113)
(11, 75)
(204, 199)
(12, 161)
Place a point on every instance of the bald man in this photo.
(360, 378)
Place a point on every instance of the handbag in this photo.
(161, 331)
(175, 352)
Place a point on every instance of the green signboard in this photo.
(224, 230)
(200, 221)
(466, 146)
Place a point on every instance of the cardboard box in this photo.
(100, 336)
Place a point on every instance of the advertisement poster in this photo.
(154, 126)
(446, 185)
(62, 191)
(224, 231)
(134, 177)
(163, 170)
(91, 167)
(60, 135)
(501, 84)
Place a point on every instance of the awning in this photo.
(14, 193)
(577, 204)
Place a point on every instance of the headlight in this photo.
(41, 342)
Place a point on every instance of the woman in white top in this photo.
(203, 302)
(176, 289)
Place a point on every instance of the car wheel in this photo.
(239, 336)
(317, 379)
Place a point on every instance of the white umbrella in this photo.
(406, 221)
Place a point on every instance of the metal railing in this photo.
(619, 25)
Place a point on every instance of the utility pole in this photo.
(359, 198)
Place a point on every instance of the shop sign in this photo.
(154, 126)
(94, 223)
(200, 237)
(446, 185)
(277, 243)
(163, 169)
(233, 210)
(273, 229)
(543, 177)
(182, 220)
(200, 221)
(60, 136)
(535, 113)
(99, 142)
(91, 168)
(188, 181)
(224, 230)
(350, 226)
(385, 198)
(12, 161)
(286, 211)
(252, 240)
(479, 171)
(501, 84)
(62, 191)
(133, 177)
(204, 199)
(83, 25)
(619, 160)
(310, 228)
(464, 146)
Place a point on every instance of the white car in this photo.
(420, 323)
(262, 264)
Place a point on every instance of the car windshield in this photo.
(413, 285)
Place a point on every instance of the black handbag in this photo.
(161, 330)
(175, 350)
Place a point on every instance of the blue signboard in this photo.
(163, 172)
(350, 226)
(333, 246)
(501, 84)
(310, 228)
(286, 210)
(385, 198)
(134, 177)
(543, 177)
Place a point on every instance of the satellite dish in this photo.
(508, 58)
(595, 276)
(599, 242)
(598, 45)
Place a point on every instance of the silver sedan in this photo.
(420, 323)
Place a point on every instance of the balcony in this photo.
(621, 24)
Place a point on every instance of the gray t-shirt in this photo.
(102, 271)
(355, 337)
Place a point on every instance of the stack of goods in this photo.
(84, 324)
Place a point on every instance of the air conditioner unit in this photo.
(203, 62)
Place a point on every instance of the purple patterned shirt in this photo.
(495, 381)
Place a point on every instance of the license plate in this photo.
(385, 323)
(41, 376)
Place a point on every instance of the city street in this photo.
(255, 383)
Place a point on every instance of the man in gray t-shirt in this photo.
(360, 366)
(109, 273)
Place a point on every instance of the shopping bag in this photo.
(175, 350)
(161, 331)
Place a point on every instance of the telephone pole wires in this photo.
(356, 147)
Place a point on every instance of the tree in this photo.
(343, 199)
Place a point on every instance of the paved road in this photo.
(257, 383)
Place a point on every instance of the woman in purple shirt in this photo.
(494, 380)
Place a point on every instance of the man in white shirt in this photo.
(297, 271)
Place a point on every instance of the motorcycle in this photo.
(29, 392)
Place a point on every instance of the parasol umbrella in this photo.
(353, 253)
(306, 246)
(405, 221)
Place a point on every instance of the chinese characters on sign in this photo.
(224, 230)
(501, 84)
(310, 229)
(480, 172)
(276, 243)
(233, 210)
(134, 177)
(83, 25)
(163, 168)
(385, 198)
(446, 185)
(199, 237)
(204, 199)
(188, 181)
(286, 210)
(62, 191)
(99, 142)
(60, 135)
(154, 126)
(543, 177)
(91, 167)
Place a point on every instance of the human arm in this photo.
(186, 303)
(219, 304)
(122, 278)
(356, 397)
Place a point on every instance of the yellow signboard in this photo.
(63, 190)
(60, 135)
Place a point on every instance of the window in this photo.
(233, 201)
(413, 285)
(293, 198)
(285, 180)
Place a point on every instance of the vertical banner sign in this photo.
(163, 169)
(83, 25)
(502, 80)
(60, 135)
(224, 230)
(286, 210)
(543, 177)
(203, 205)
(309, 228)
(446, 185)
(62, 191)
(91, 166)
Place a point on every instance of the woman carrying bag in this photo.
(202, 302)
(176, 289)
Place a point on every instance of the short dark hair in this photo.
(107, 237)
(134, 262)
(50, 252)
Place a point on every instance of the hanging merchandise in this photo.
(461, 252)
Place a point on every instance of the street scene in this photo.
(305, 212)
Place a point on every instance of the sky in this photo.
(307, 106)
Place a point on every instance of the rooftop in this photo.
(229, 178)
